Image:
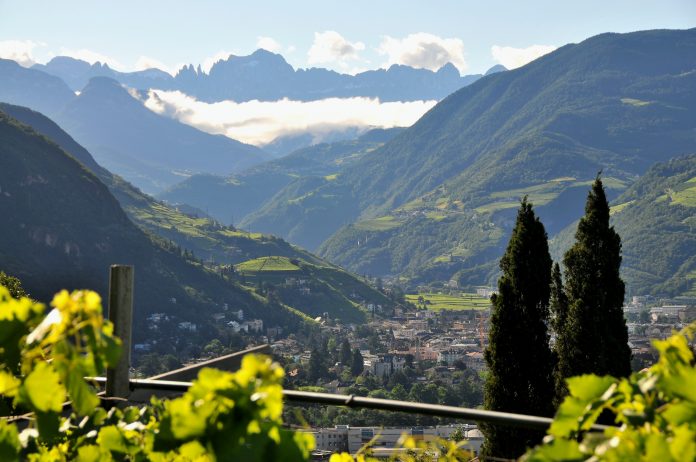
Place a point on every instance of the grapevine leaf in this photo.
(92, 453)
(83, 398)
(682, 385)
(589, 387)
(43, 389)
(9, 384)
(111, 439)
(683, 444)
(679, 413)
(9, 442)
(567, 418)
(558, 449)
(656, 448)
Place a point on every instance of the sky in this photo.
(345, 36)
(349, 36)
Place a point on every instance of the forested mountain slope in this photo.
(214, 243)
(62, 228)
(233, 198)
(437, 201)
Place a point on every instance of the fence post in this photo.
(121, 315)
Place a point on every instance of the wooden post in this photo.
(121, 315)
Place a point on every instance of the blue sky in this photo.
(347, 36)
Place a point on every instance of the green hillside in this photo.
(207, 239)
(233, 198)
(62, 228)
(656, 219)
(315, 289)
(615, 102)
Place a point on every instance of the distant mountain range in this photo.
(154, 151)
(266, 76)
(149, 150)
(436, 202)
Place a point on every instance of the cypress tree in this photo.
(519, 360)
(346, 354)
(357, 364)
(559, 314)
(594, 333)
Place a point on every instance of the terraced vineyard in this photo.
(463, 301)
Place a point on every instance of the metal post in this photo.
(121, 315)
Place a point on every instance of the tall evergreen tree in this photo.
(345, 355)
(594, 333)
(318, 365)
(559, 314)
(519, 360)
(357, 363)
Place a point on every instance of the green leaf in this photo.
(9, 384)
(111, 439)
(192, 450)
(112, 350)
(589, 387)
(683, 444)
(656, 448)
(682, 384)
(567, 418)
(9, 442)
(83, 398)
(186, 422)
(566, 450)
(92, 453)
(43, 390)
(679, 413)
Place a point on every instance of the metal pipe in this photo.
(478, 415)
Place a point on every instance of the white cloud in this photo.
(259, 122)
(423, 50)
(512, 58)
(19, 50)
(331, 47)
(269, 44)
(91, 57)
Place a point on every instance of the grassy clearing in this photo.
(685, 194)
(619, 207)
(464, 301)
(159, 215)
(495, 206)
(267, 264)
(379, 224)
(608, 182)
(437, 216)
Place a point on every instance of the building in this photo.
(389, 437)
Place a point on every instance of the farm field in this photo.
(267, 264)
(437, 302)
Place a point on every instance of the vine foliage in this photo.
(655, 412)
(43, 362)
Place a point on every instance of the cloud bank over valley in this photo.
(259, 123)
